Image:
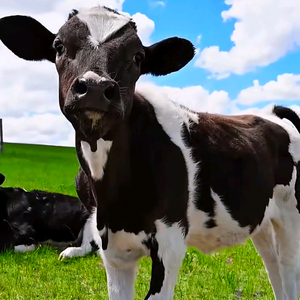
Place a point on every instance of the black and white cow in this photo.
(32, 218)
(164, 177)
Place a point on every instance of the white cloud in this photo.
(27, 87)
(145, 27)
(285, 88)
(264, 31)
(67, 5)
(194, 97)
(198, 39)
(158, 3)
(39, 129)
(264, 110)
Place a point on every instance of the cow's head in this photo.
(99, 58)
(14, 216)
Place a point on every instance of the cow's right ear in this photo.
(27, 38)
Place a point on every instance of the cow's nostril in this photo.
(111, 92)
(80, 87)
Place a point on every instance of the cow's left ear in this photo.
(167, 56)
(27, 38)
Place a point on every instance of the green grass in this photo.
(236, 273)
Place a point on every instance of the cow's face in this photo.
(99, 58)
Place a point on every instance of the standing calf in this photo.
(163, 177)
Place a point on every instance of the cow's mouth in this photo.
(90, 124)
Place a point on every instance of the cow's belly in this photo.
(208, 240)
(225, 232)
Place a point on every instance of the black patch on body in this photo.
(211, 223)
(158, 271)
(104, 238)
(242, 159)
(94, 246)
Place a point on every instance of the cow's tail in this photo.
(2, 178)
(287, 113)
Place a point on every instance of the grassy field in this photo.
(236, 273)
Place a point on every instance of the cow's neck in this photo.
(139, 161)
(112, 153)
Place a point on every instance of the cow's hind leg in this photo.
(287, 235)
(265, 244)
(287, 228)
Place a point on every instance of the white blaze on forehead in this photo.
(102, 23)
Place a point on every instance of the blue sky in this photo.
(247, 60)
(192, 18)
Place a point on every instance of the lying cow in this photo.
(28, 219)
(163, 177)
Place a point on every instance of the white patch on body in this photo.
(227, 233)
(90, 233)
(96, 160)
(171, 117)
(24, 248)
(102, 23)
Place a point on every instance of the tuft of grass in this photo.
(235, 273)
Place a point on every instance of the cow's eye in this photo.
(138, 58)
(59, 47)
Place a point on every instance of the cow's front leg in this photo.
(120, 279)
(167, 250)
